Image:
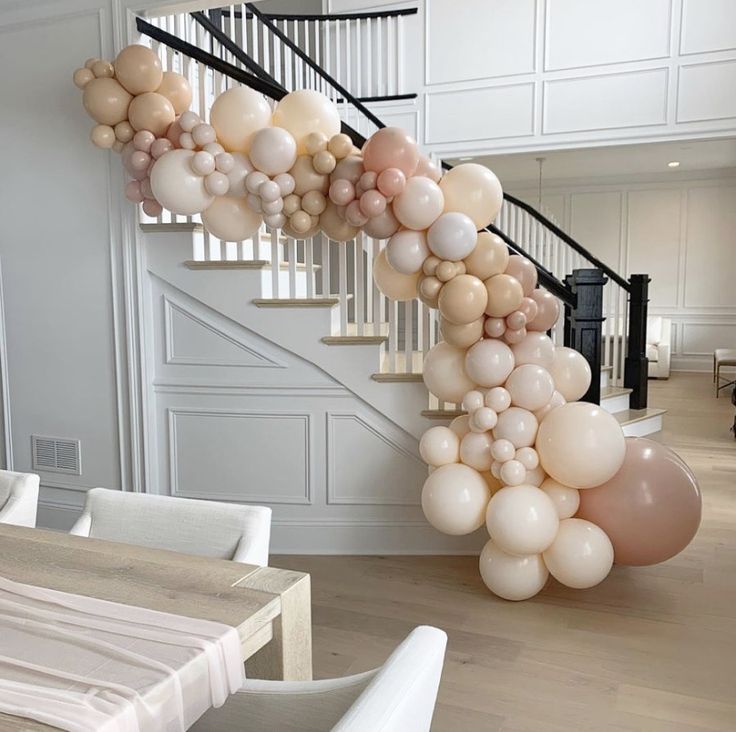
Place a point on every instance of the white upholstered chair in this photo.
(659, 339)
(205, 528)
(18, 498)
(398, 697)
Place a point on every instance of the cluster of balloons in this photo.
(558, 487)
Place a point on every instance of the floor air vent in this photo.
(56, 455)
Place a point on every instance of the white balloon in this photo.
(512, 472)
(571, 373)
(581, 555)
(452, 236)
(489, 362)
(273, 150)
(530, 386)
(536, 347)
(522, 520)
(176, 186)
(407, 250)
(498, 399)
(518, 426)
(439, 446)
(528, 457)
(503, 450)
(512, 577)
(475, 450)
(444, 373)
(566, 499)
(419, 205)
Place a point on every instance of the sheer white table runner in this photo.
(83, 664)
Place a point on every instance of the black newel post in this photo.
(636, 366)
(584, 323)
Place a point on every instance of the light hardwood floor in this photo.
(651, 648)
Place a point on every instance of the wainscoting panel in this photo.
(708, 25)
(697, 96)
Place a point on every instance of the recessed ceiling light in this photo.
(468, 157)
(673, 164)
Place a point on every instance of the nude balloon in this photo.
(177, 90)
(535, 348)
(420, 203)
(650, 509)
(504, 295)
(489, 362)
(518, 426)
(152, 112)
(394, 285)
(595, 454)
(306, 178)
(462, 336)
(490, 256)
(473, 190)
(571, 373)
(176, 187)
(439, 446)
(229, 218)
(530, 386)
(336, 228)
(391, 147)
(463, 300)
(272, 151)
(444, 373)
(548, 310)
(237, 114)
(566, 499)
(138, 69)
(524, 271)
(510, 576)
(407, 250)
(383, 225)
(475, 450)
(304, 112)
(106, 101)
(454, 499)
(557, 400)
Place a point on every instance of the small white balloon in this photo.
(439, 446)
(517, 425)
(203, 163)
(217, 183)
(272, 207)
(483, 419)
(273, 150)
(452, 236)
(503, 450)
(513, 473)
(530, 386)
(460, 425)
(224, 162)
(406, 251)
(489, 362)
(254, 180)
(496, 469)
(498, 399)
(269, 191)
(512, 577)
(275, 221)
(254, 202)
(286, 183)
(528, 457)
(536, 477)
(472, 400)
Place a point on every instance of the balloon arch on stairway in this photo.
(558, 486)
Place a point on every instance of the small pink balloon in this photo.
(146, 189)
(495, 327)
(133, 192)
(151, 207)
(353, 215)
(160, 147)
(342, 192)
(529, 308)
(140, 160)
(372, 203)
(391, 147)
(516, 320)
(515, 335)
(143, 139)
(391, 182)
(217, 184)
(368, 180)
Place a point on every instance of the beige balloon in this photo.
(462, 336)
(304, 112)
(489, 362)
(444, 373)
(428, 290)
(176, 187)
(152, 112)
(82, 77)
(138, 69)
(439, 446)
(463, 299)
(336, 228)
(237, 114)
(571, 373)
(392, 284)
(518, 426)
(106, 101)
(103, 136)
(504, 295)
(490, 256)
(536, 347)
(460, 425)
(307, 178)
(566, 499)
(177, 90)
(509, 576)
(475, 450)
(230, 219)
(474, 190)
(530, 386)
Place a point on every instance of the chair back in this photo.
(18, 498)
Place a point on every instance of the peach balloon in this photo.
(439, 446)
(391, 182)
(566, 499)
(307, 178)
(518, 426)
(454, 499)
(510, 576)
(237, 114)
(462, 336)
(391, 147)
(504, 295)
(489, 362)
(530, 386)
(524, 271)
(595, 453)
(138, 69)
(548, 310)
(336, 228)
(474, 190)
(230, 219)
(535, 348)
(571, 373)
(420, 203)
(82, 77)
(463, 299)
(490, 256)
(106, 101)
(304, 112)
(394, 285)
(650, 509)
(177, 90)
(444, 373)
(152, 112)
(475, 450)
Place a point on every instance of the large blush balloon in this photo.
(454, 499)
(439, 446)
(548, 310)
(462, 300)
(473, 190)
(571, 373)
(106, 101)
(489, 362)
(304, 112)
(420, 204)
(490, 256)
(138, 69)
(394, 285)
(272, 150)
(581, 555)
(230, 219)
(581, 445)
(237, 114)
(391, 147)
(509, 576)
(176, 187)
(177, 90)
(444, 373)
(650, 509)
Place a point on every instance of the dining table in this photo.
(270, 608)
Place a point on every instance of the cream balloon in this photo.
(176, 187)
(106, 101)
(474, 190)
(463, 300)
(237, 114)
(230, 219)
(394, 285)
(460, 425)
(566, 499)
(490, 256)
(536, 477)
(304, 112)
(407, 250)
(522, 520)
(535, 348)
(452, 236)
(557, 400)
(177, 90)
(138, 69)
(272, 151)
(530, 386)
(518, 426)
(444, 373)
(580, 445)
(571, 373)
(512, 577)
(581, 555)
(439, 446)
(489, 362)
(152, 112)
(475, 450)
(454, 499)
(462, 336)
(419, 205)
(238, 173)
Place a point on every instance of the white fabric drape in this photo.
(83, 664)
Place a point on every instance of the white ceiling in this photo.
(619, 160)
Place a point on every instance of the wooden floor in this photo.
(649, 649)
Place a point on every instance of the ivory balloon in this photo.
(106, 101)
(518, 426)
(524, 271)
(512, 577)
(489, 362)
(444, 373)
(420, 204)
(391, 147)
(272, 151)
(394, 285)
(650, 509)
(580, 445)
(463, 299)
(177, 90)
(407, 250)
(462, 336)
(138, 69)
(557, 400)
(337, 229)
(571, 373)
(522, 520)
(535, 348)
(230, 219)
(454, 499)
(452, 236)
(439, 446)
(460, 426)
(238, 173)
(306, 178)
(151, 111)
(566, 499)
(176, 187)
(475, 450)
(581, 555)
(304, 112)
(504, 295)
(498, 399)
(473, 190)
(237, 114)
(383, 225)
(490, 256)
(548, 310)
(530, 386)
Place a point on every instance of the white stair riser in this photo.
(604, 379)
(300, 283)
(614, 404)
(644, 427)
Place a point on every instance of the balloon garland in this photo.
(554, 481)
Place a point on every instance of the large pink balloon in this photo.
(391, 147)
(650, 509)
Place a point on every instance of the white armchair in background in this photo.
(205, 528)
(659, 339)
(398, 697)
(18, 498)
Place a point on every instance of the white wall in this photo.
(683, 234)
(517, 75)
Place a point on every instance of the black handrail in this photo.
(331, 16)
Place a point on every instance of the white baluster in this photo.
(359, 295)
(379, 57)
(325, 266)
(275, 262)
(291, 249)
(309, 265)
(369, 57)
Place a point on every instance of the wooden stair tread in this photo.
(242, 264)
(629, 416)
(297, 302)
(354, 340)
(442, 413)
(386, 377)
(608, 392)
(182, 226)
